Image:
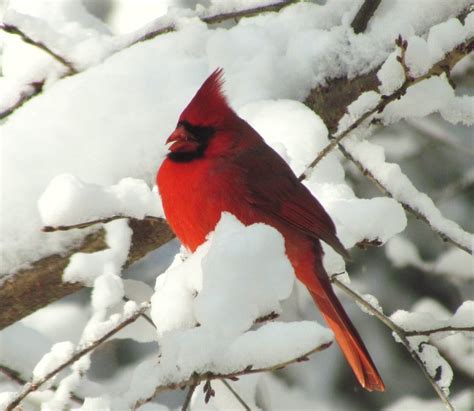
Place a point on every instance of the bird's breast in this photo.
(195, 194)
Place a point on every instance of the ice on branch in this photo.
(67, 201)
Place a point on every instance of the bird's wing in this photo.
(276, 191)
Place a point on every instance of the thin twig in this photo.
(401, 334)
(79, 353)
(236, 395)
(49, 229)
(216, 18)
(8, 28)
(448, 328)
(365, 13)
(15, 376)
(209, 376)
(189, 395)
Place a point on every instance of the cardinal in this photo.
(217, 162)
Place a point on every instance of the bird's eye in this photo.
(200, 133)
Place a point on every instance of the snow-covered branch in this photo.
(401, 336)
(151, 31)
(80, 352)
(197, 379)
(416, 203)
(443, 66)
(11, 29)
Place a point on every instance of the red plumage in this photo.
(218, 162)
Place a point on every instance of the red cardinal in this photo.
(217, 162)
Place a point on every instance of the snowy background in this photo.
(89, 145)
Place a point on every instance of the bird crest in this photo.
(209, 106)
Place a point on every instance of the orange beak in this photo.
(183, 140)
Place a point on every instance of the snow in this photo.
(461, 402)
(89, 145)
(391, 74)
(242, 282)
(86, 267)
(60, 353)
(110, 121)
(372, 157)
(67, 201)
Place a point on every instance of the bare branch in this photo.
(236, 395)
(79, 353)
(365, 13)
(189, 395)
(209, 376)
(8, 28)
(401, 334)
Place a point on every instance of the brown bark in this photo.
(41, 284)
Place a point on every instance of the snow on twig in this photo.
(401, 335)
(210, 376)
(11, 29)
(80, 352)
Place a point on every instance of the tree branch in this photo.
(365, 13)
(28, 290)
(209, 376)
(15, 377)
(236, 395)
(438, 330)
(189, 395)
(442, 66)
(210, 19)
(401, 334)
(79, 353)
(8, 28)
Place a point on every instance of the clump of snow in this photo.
(67, 201)
(60, 353)
(417, 56)
(364, 103)
(391, 74)
(107, 291)
(86, 267)
(254, 272)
